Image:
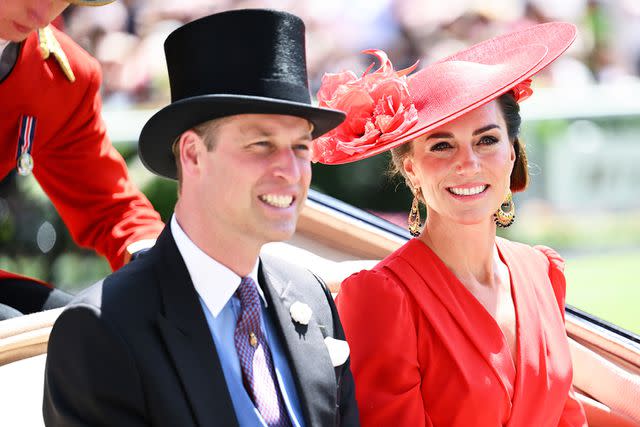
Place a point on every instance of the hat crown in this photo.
(440, 91)
(249, 61)
(251, 52)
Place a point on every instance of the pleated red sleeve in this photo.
(573, 414)
(381, 333)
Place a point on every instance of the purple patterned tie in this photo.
(255, 358)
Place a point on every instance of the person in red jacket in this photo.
(50, 126)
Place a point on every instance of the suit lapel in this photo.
(186, 334)
(308, 358)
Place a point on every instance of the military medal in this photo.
(25, 142)
(25, 164)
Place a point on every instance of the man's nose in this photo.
(288, 165)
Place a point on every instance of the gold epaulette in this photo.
(49, 45)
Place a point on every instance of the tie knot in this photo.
(248, 294)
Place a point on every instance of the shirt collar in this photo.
(3, 45)
(214, 282)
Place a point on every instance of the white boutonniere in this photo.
(300, 312)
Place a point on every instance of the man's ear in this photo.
(190, 146)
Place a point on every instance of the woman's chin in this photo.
(472, 220)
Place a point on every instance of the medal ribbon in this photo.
(25, 142)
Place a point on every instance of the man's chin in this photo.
(280, 234)
(13, 37)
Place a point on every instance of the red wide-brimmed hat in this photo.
(387, 108)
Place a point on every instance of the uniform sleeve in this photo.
(573, 414)
(382, 337)
(88, 183)
(90, 377)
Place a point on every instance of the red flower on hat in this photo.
(522, 90)
(378, 107)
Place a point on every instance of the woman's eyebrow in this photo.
(484, 129)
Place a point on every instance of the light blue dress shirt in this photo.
(216, 286)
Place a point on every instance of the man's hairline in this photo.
(207, 131)
(208, 128)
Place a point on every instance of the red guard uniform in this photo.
(73, 159)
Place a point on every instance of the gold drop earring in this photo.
(506, 213)
(413, 221)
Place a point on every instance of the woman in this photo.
(457, 327)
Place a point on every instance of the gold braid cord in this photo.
(49, 45)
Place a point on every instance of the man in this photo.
(50, 126)
(202, 330)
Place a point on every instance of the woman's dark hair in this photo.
(511, 113)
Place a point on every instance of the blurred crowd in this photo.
(127, 36)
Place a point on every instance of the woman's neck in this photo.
(469, 251)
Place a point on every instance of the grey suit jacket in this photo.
(135, 349)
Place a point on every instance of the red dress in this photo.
(74, 161)
(425, 352)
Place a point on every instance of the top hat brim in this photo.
(508, 60)
(158, 134)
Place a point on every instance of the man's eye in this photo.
(302, 151)
(260, 144)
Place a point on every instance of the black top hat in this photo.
(238, 62)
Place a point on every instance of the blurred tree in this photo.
(365, 184)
